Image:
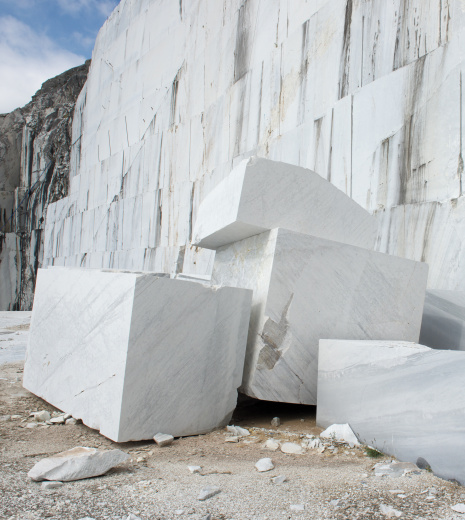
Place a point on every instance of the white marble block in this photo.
(405, 399)
(259, 195)
(133, 354)
(308, 288)
(443, 324)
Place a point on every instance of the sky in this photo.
(40, 39)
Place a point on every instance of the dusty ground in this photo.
(156, 484)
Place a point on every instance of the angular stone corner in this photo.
(405, 399)
(260, 194)
(132, 354)
(307, 288)
(443, 323)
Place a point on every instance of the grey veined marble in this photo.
(443, 324)
(307, 288)
(259, 195)
(133, 354)
(404, 399)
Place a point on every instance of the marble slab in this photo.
(260, 194)
(402, 398)
(443, 323)
(307, 288)
(133, 354)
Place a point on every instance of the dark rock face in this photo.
(35, 144)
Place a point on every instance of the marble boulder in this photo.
(443, 324)
(307, 288)
(260, 194)
(405, 399)
(133, 354)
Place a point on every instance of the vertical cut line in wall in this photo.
(460, 168)
(363, 42)
(440, 22)
(351, 140)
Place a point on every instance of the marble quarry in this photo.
(260, 194)
(443, 323)
(307, 288)
(179, 94)
(123, 351)
(404, 399)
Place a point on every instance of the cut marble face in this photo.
(443, 324)
(405, 399)
(259, 195)
(307, 288)
(134, 354)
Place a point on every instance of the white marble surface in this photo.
(259, 195)
(443, 323)
(404, 399)
(122, 351)
(14, 335)
(308, 288)
(352, 90)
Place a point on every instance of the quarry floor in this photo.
(156, 483)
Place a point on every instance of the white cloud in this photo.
(104, 7)
(27, 59)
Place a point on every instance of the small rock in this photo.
(179, 512)
(232, 439)
(340, 433)
(71, 421)
(395, 491)
(15, 417)
(58, 420)
(207, 517)
(163, 439)
(389, 511)
(264, 464)
(133, 517)
(334, 503)
(279, 479)
(275, 422)
(5, 418)
(208, 492)
(271, 444)
(238, 431)
(194, 469)
(459, 508)
(314, 443)
(401, 495)
(51, 484)
(41, 416)
(31, 425)
(394, 469)
(422, 463)
(291, 448)
(140, 459)
(76, 464)
(297, 507)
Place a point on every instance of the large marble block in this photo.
(404, 399)
(307, 288)
(133, 354)
(443, 324)
(259, 195)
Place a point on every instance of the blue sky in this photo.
(42, 38)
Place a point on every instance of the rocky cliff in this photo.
(35, 144)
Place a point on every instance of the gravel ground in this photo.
(156, 483)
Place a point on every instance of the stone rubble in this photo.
(208, 492)
(163, 439)
(389, 511)
(341, 433)
(264, 464)
(77, 463)
(276, 421)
